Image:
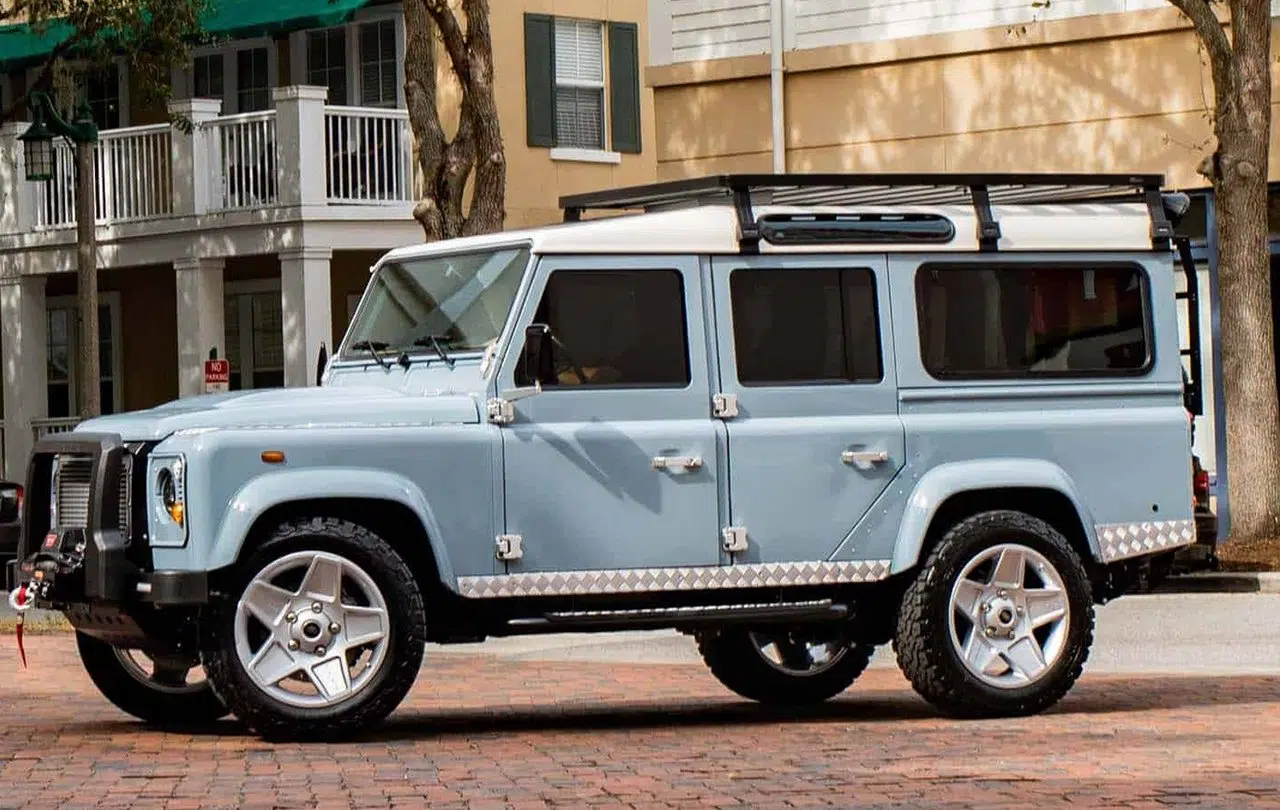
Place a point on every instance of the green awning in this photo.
(21, 46)
(241, 19)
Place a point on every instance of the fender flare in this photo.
(946, 480)
(273, 489)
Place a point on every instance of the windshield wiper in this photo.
(434, 341)
(373, 347)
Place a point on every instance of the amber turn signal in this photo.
(273, 456)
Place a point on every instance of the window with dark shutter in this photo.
(378, 64)
(327, 62)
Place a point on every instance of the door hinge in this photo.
(735, 539)
(724, 406)
(510, 547)
(501, 411)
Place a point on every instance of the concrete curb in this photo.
(1264, 582)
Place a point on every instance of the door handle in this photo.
(864, 456)
(682, 462)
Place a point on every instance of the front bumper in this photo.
(102, 562)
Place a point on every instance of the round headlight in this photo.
(167, 488)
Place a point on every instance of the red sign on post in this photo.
(217, 376)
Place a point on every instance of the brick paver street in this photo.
(481, 732)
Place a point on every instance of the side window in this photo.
(1022, 321)
(805, 326)
(614, 328)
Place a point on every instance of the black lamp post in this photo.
(37, 144)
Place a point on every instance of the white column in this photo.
(24, 349)
(305, 310)
(200, 320)
(18, 214)
(196, 157)
(300, 135)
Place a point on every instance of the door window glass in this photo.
(805, 326)
(618, 328)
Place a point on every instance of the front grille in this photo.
(73, 487)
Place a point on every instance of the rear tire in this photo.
(737, 658)
(322, 634)
(978, 644)
(164, 697)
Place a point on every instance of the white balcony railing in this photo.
(235, 163)
(133, 174)
(370, 155)
(45, 427)
(244, 160)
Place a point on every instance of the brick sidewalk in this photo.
(481, 733)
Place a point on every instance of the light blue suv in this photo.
(795, 416)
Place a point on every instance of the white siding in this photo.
(714, 29)
(692, 30)
(834, 22)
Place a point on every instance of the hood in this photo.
(290, 407)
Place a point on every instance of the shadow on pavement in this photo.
(1092, 696)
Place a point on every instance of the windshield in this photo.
(460, 301)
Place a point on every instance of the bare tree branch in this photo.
(455, 42)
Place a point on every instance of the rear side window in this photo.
(805, 326)
(982, 321)
(614, 328)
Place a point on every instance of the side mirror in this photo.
(536, 336)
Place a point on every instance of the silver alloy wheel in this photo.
(175, 681)
(325, 638)
(1016, 633)
(795, 656)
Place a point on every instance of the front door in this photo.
(616, 463)
(817, 438)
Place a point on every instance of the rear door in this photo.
(805, 349)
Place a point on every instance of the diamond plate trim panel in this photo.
(1120, 541)
(641, 580)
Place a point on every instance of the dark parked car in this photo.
(10, 519)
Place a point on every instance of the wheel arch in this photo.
(387, 505)
(953, 492)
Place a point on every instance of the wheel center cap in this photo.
(1000, 614)
(310, 629)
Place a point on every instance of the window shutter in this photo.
(624, 86)
(539, 79)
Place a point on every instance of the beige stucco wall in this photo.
(1121, 92)
(534, 181)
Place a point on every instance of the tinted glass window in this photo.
(614, 328)
(1029, 321)
(805, 326)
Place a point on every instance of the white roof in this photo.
(712, 229)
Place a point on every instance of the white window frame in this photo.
(111, 300)
(393, 12)
(186, 81)
(246, 288)
(122, 79)
(578, 154)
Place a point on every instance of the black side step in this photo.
(660, 618)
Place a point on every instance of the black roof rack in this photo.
(978, 190)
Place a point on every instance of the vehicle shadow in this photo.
(1092, 696)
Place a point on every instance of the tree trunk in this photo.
(476, 150)
(1243, 128)
(87, 284)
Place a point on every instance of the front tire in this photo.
(165, 696)
(975, 640)
(323, 633)
(790, 668)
